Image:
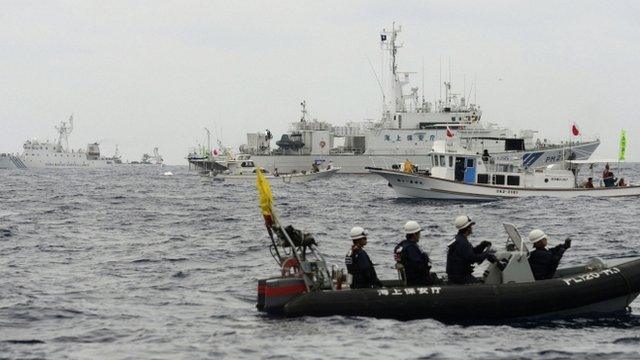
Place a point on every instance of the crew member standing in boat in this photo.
(543, 261)
(415, 262)
(358, 263)
(607, 177)
(461, 255)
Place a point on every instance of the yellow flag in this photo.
(408, 166)
(264, 193)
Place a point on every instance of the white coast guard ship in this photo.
(407, 130)
(47, 154)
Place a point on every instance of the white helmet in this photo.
(536, 235)
(412, 227)
(462, 222)
(357, 233)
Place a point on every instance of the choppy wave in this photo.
(148, 266)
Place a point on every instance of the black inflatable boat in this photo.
(307, 287)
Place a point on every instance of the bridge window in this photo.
(450, 161)
(469, 163)
(409, 137)
(513, 180)
(498, 179)
(387, 137)
(442, 161)
(421, 137)
(483, 178)
(435, 159)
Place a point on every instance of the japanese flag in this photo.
(449, 133)
(574, 130)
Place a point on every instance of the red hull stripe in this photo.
(285, 290)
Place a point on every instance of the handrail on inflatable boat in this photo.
(301, 246)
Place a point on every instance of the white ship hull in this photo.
(64, 161)
(427, 187)
(355, 164)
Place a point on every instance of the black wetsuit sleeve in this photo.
(468, 254)
(479, 249)
(554, 261)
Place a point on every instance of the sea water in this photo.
(127, 263)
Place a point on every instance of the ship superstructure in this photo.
(407, 129)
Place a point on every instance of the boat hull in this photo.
(8, 161)
(591, 293)
(355, 164)
(427, 187)
(287, 178)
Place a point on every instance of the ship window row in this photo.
(497, 179)
(411, 137)
(468, 118)
(441, 160)
(55, 155)
(409, 181)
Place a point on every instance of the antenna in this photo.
(384, 98)
(422, 79)
(440, 81)
(475, 90)
(208, 141)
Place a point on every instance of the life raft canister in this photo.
(274, 293)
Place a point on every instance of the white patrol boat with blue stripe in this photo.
(459, 174)
(48, 154)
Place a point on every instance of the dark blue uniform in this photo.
(544, 262)
(417, 266)
(361, 268)
(461, 256)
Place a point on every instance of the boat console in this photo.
(514, 261)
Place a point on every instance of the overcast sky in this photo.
(152, 73)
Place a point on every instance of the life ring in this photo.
(322, 143)
(291, 267)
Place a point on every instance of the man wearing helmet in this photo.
(461, 255)
(543, 261)
(415, 262)
(358, 263)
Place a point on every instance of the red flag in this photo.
(449, 133)
(215, 152)
(574, 130)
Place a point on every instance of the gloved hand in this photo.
(492, 258)
(567, 243)
(485, 244)
(502, 264)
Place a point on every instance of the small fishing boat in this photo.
(305, 286)
(458, 174)
(242, 168)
